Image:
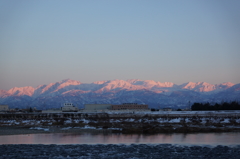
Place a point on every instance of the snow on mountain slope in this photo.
(21, 91)
(200, 87)
(120, 91)
(146, 83)
(225, 85)
(3, 93)
(74, 92)
(205, 87)
(99, 82)
(54, 87)
(167, 84)
(229, 94)
(114, 85)
(150, 83)
(66, 83)
(119, 85)
(234, 88)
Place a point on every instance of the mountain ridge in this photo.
(117, 91)
(113, 84)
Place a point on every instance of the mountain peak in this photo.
(28, 90)
(133, 80)
(69, 81)
(199, 86)
(99, 82)
(229, 84)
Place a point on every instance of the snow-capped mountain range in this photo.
(155, 94)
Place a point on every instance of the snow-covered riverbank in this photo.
(132, 123)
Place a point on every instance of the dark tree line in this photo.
(222, 106)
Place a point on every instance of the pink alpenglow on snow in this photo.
(114, 85)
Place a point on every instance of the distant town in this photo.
(70, 107)
(124, 118)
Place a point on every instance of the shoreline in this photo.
(23, 130)
(19, 130)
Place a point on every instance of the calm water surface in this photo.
(183, 139)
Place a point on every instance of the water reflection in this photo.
(87, 138)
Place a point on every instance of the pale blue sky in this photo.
(168, 41)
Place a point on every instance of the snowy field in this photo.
(84, 122)
(230, 112)
(133, 121)
(221, 112)
(141, 151)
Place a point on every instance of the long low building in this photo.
(129, 106)
(3, 107)
(124, 106)
(97, 106)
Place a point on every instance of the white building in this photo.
(69, 107)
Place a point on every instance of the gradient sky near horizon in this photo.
(168, 41)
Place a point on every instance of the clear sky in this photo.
(44, 41)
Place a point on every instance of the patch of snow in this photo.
(85, 121)
(120, 129)
(226, 121)
(88, 127)
(114, 120)
(66, 128)
(39, 128)
(68, 121)
(177, 120)
(187, 120)
(26, 121)
(129, 120)
(204, 120)
(238, 120)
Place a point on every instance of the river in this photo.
(212, 139)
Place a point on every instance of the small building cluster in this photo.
(70, 107)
